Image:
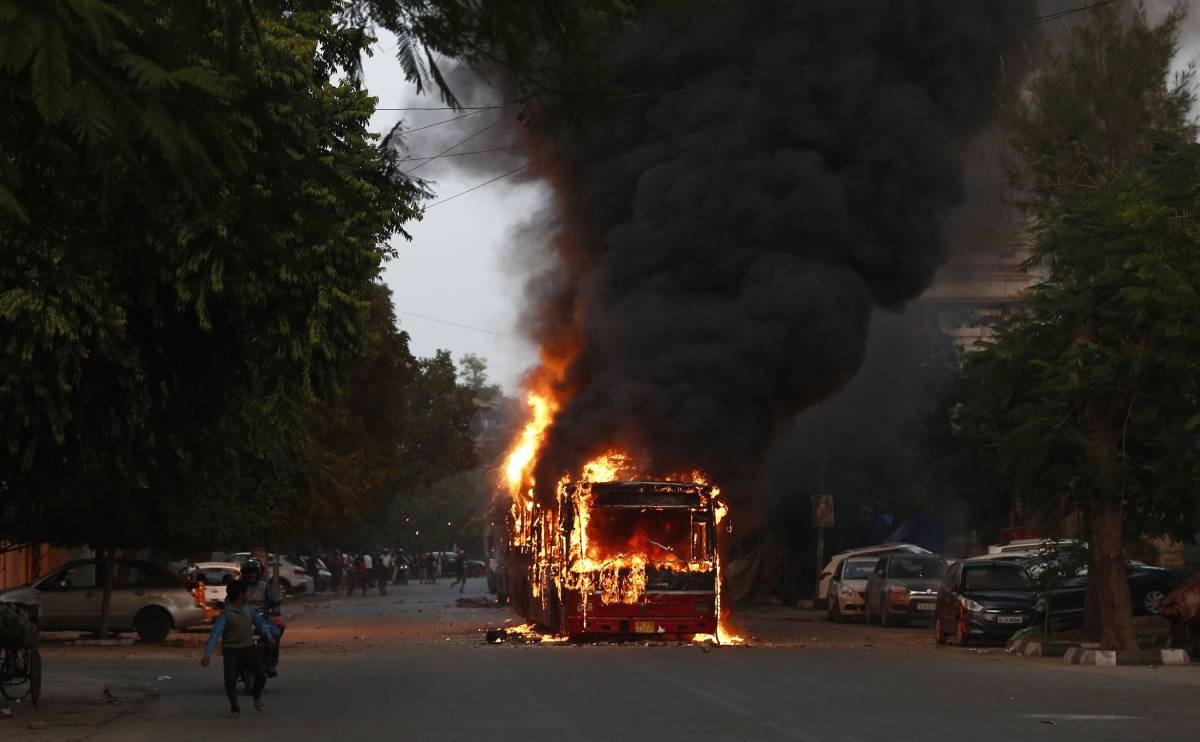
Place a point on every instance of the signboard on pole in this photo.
(822, 511)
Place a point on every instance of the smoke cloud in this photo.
(719, 250)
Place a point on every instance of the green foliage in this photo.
(551, 47)
(438, 414)
(1108, 327)
(189, 249)
(1087, 387)
(1086, 113)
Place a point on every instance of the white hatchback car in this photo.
(215, 576)
(848, 588)
(293, 579)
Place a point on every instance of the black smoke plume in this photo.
(776, 172)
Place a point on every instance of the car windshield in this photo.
(915, 568)
(996, 577)
(857, 570)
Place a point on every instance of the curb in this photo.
(1110, 658)
(1024, 647)
(1038, 648)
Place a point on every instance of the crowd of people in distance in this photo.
(367, 569)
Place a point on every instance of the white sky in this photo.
(455, 268)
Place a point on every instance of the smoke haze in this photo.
(720, 249)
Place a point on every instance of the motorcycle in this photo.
(268, 651)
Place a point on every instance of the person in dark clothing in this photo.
(234, 627)
(460, 570)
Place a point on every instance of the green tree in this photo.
(1090, 389)
(352, 443)
(192, 209)
(438, 414)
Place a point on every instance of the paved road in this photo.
(410, 666)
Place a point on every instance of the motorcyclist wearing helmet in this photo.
(261, 596)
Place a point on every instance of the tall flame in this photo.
(522, 457)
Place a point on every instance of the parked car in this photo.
(875, 551)
(293, 578)
(476, 568)
(1148, 590)
(848, 588)
(985, 599)
(902, 587)
(145, 598)
(215, 576)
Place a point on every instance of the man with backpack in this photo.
(235, 627)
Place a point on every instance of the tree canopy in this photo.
(1086, 397)
(193, 210)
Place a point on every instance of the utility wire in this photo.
(464, 154)
(1016, 25)
(515, 170)
(452, 324)
(456, 145)
(436, 123)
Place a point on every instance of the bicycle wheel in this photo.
(14, 673)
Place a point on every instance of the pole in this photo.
(820, 564)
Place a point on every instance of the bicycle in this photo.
(21, 673)
(20, 660)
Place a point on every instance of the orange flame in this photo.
(617, 570)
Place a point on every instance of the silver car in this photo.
(903, 587)
(145, 598)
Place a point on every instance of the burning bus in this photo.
(612, 551)
(618, 557)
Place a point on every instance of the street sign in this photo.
(822, 511)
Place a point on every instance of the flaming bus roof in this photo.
(645, 494)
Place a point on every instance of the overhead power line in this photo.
(515, 170)
(1016, 25)
(448, 322)
(464, 154)
(1029, 22)
(456, 145)
(436, 123)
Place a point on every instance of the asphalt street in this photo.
(411, 665)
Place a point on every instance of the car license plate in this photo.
(644, 627)
(1010, 619)
(925, 606)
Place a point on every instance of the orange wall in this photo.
(23, 564)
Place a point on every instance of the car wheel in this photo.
(152, 624)
(1152, 601)
(939, 636)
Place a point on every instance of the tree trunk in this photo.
(1108, 576)
(106, 584)
(1092, 628)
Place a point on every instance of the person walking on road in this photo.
(364, 571)
(383, 565)
(460, 570)
(234, 627)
